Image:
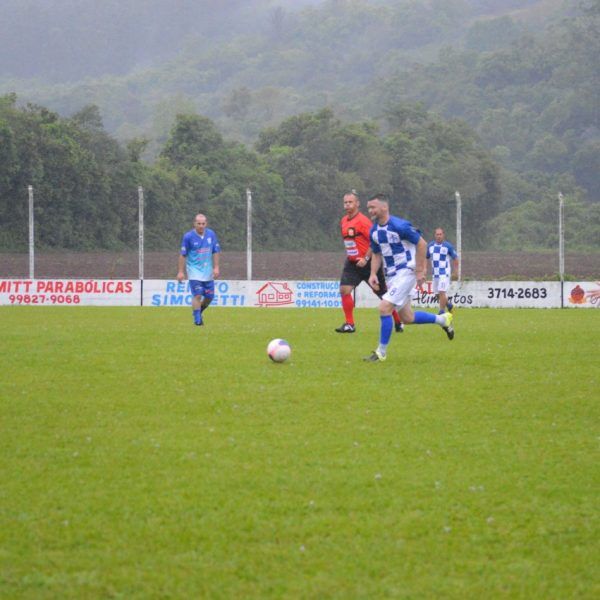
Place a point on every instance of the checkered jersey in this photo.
(396, 241)
(440, 255)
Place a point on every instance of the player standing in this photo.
(200, 257)
(440, 251)
(401, 249)
(355, 227)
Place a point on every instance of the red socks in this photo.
(348, 306)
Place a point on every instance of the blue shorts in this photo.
(202, 288)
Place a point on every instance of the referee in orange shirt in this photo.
(355, 228)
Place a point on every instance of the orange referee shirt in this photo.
(355, 232)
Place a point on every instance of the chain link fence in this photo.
(157, 263)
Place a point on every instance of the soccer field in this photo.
(142, 457)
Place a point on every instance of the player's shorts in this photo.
(202, 288)
(400, 288)
(441, 284)
(353, 275)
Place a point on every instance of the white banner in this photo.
(500, 294)
(269, 294)
(70, 292)
(286, 294)
(582, 294)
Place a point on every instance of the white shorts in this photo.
(400, 288)
(441, 284)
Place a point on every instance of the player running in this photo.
(397, 245)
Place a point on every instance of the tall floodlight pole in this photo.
(31, 235)
(141, 233)
(248, 234)
(459, 233)
(561, 245)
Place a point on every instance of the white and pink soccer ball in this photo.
(278, 350)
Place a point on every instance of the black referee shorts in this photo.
(353, 275)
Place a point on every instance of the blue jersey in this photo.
(396, 241)
(198, 251)
(440, 255)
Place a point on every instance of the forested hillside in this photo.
(521, 76)
(85, 182)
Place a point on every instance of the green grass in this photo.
(144, 458)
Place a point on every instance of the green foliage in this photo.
(534, 224)
(84, 183)
(533, 102)
(488, 35)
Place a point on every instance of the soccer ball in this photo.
(278, 350)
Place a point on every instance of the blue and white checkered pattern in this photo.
(440, 255)
(396, 242)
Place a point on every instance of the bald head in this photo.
(200, 223)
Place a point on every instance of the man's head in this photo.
(439, 235)
(379, 208)
(351, 203)
(200, 223)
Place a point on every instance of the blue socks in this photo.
(385, 333)
(197, 316)
(422, 317)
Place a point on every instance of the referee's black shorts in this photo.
(353, 275)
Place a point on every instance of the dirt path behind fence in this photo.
(285, 265)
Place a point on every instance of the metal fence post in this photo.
(459, 234)
(248, 234)
(31, 235)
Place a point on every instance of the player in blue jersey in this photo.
(200, 258)
(401, 249)
(439, 252)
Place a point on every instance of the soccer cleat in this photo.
(448, 327)
(375, 356)
(346, 328)
(399, 327)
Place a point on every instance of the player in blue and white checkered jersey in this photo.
(402, 250)
(440, 251)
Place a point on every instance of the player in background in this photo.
(401, 249)
(440, 251)
(200, 258)
(355, 228)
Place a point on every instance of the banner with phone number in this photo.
(501, 294)
(288, 294)
(70, 292)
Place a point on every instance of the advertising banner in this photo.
(70, 292)
(289, 294)
(582, 294)
(268, 294)
(479, 294)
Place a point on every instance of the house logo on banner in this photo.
(274, 294)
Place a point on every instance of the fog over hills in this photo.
(65, 40)
(499, 97)
(141, 61)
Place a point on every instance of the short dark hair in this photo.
(352, 192)
(380, 197)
